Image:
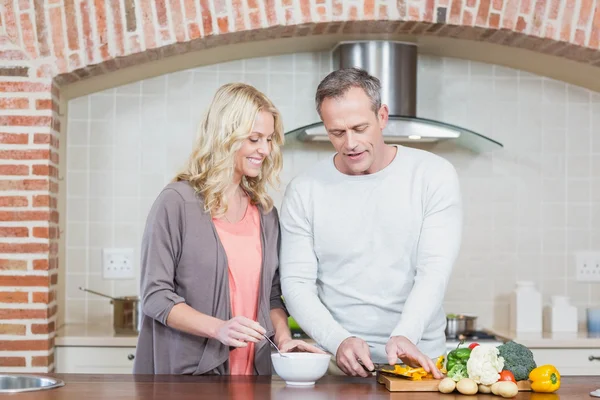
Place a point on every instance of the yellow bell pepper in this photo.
(544, 379)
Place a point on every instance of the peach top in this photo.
(242, 244)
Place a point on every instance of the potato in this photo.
(507, 389)
(466, 386)
(447, 385)
(485, 389)
(495, 388)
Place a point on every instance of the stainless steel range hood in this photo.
(395, 64)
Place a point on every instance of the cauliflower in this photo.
(485, 364)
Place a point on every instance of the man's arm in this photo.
(438, 247)
(299, 267)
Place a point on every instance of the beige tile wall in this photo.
(528, 207)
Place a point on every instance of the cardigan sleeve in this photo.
(276, 294)
(160, 253)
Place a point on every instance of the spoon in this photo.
(274, 345)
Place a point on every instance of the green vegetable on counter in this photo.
(518, 359)
(458, 372)
(458, 356)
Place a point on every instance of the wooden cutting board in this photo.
(394, 384)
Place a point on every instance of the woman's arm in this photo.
(235, 332)
(279, 319)
(161, 248)
(162, 245)
(184, 318)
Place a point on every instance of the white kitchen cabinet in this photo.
(94, 360)
(570, 361)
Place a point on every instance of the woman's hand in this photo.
(291, 345)
(238, 331)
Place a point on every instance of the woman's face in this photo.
(249, 158)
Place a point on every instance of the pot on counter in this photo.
(458, 325)
(127, 313)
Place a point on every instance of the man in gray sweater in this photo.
(369, 237)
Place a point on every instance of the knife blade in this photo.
(387, 369)
(391, 370)
(396, 375)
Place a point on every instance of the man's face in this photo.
(355, 131)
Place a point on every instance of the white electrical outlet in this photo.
(588, 266)
(117, 264)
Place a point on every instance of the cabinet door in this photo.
(570, 361)
(95, 360)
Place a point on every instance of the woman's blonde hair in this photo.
(229, 121)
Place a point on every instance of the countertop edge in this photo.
(81, 335)
(92, 335)
(546, 340)
(73, 341)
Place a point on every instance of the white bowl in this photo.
(300, 369)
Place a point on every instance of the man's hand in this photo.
(291, 345)
(402, 348)
(351, 351)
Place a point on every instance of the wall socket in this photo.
(588, 266)
(117, 264)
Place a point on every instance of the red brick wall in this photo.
(28, 211)
(46, 43)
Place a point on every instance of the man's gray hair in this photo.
(338, 82)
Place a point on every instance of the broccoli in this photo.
(458, 372)
(518, 359)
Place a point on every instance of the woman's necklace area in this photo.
(241, 196)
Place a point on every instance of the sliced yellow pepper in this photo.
(440, 362)
(417, 374)
(545, 379)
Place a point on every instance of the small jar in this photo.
(560, 316)
(526, 308)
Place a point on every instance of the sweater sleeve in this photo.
(161, 249)
(299, 268)
(438, 247)
(275, 299)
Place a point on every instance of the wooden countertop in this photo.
(117, 387)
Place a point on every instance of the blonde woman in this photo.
(210, 281)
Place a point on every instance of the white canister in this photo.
(526, 308)
(560, 316)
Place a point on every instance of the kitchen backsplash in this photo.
(528, 207)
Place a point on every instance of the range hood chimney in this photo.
(395, 64)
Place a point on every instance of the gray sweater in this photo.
(183, 260)
(371, 255)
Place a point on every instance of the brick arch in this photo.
(45, 44)
(76, 39)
